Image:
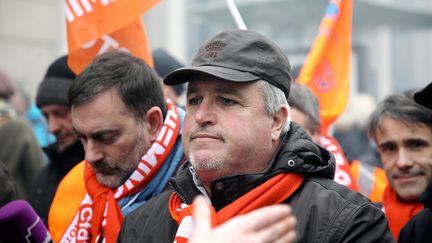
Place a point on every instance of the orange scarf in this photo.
(99, 215)
(274, 191)
(397, 212)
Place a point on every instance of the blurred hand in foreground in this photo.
(268, 224)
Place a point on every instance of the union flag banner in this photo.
(343, 168)
(327, 68)
(97, 26)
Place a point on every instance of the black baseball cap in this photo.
(423, 97)
(238, 56)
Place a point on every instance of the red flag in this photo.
(327, 68)
(95, 27)
(343, 169)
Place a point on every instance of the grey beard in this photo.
(206, 165)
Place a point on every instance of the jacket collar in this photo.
(296, 153)
(67, 158)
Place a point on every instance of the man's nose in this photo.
(404, 160)
(205, 113)
(53, 124)
(92, 152)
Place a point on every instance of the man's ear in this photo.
(154, 122)
(279, 121)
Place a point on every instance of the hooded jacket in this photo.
(325, 210)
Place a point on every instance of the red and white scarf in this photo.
(342, 171)
(272, 192)
(98, 214)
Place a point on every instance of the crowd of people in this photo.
(241, 160)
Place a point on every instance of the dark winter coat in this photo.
(325, 210)
(7, 189)
(20, 152)
(419, 228)
(48, 179)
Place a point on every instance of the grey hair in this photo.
(401, 107)
(274, 99)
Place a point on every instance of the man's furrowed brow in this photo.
(226, 90)
(386, 144)
(192, 89)
(95, 134)
(101, 133)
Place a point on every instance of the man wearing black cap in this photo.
(67, 151)
(243, 153)
(418, 229)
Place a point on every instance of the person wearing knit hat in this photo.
(55, 85)
(164, 63)
(67, 151)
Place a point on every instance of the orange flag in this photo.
(94, 27)
(327, 68)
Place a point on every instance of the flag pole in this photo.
(236, 15)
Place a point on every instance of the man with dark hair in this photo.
(67, 151)
(132, 142)
(243, 153)
(418, 229)
(402, 130)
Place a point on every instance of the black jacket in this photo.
(325, 210)
(60, 164)
(8, 190)
(419, 228)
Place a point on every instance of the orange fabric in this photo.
(94, 27)
(273, 191)
(327, 68)
(355, 169)
(102, 197)
(343, 171)
(398, 213)
(67, 199)
(378, 184)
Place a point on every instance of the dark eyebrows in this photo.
(406, 142)
(96, 135)
(415, 141)
(385, 144)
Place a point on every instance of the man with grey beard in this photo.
(245, 155)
